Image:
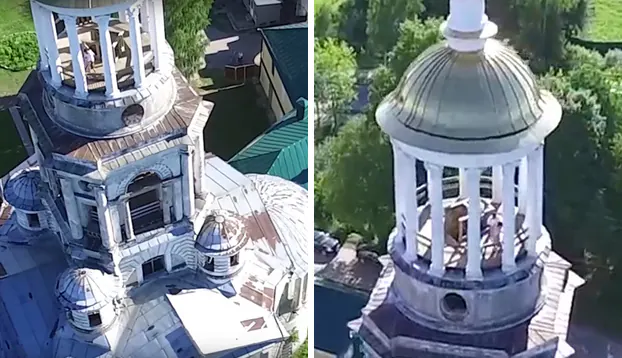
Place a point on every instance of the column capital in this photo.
(102, 20)
(133, 11)
(433, 168)
(67, 18)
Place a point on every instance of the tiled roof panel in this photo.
(288, 47)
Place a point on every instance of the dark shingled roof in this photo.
(282, 150)
(288, 47)
(52, 138)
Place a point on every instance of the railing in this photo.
(147, 217)
(451, 189)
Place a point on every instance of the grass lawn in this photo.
(16, 17)
(236, 120)
(12, 151)
(605, 23)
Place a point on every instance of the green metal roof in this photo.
(282, 150)
(287, 45)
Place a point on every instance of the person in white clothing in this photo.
(494, 227)
(89, 58)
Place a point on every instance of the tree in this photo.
(383, 20)
(356, 182)
(326, 20)
(335, 70)
(415, 36)
(185, 22)
(353, 23)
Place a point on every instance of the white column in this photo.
(435, 195)
(398, 190)
(462, 185)
(51, 47)
(40, 32)
(539, 189)
(77, 60)
(71, 205)
(178, 199)
(166, 204)
(522, 186)
(188, 184)
(152, 28)
(105, 218)
(497, 184)
(158, 16)
(508, 261)
(108, 61)
(199, 169)
(127, 220)
(406, 199)
(123, 16)
(138, 61)
(533, 231)
(474, 235)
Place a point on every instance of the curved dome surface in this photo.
(469, 102)
(287, 203)
(86, 289)
(223, 233)
(81, 4)
(22, 191)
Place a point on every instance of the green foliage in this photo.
(415, 36)
(185, 22)
(19, 52)
(303, 351)
(334, 79)
(383, 19)
(356, 184)
(540, 29)
(326, 19)
(353, 23)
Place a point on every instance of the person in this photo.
(89, 58)
(494, 227)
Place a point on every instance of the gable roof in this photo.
(288, 47)
(282, 150)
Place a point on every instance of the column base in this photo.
(474, 274)
(508, 268)
(437, 271)
(81, 95)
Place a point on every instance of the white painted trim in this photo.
(435, 195)
(474, 237)
(467, 160)
(105, 10)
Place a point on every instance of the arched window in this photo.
(209, 264)
(153, 266)
(145, 203)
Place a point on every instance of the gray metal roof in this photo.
(86, 289)
(81, 4)
(287, 205)
(223, 232)
(22, 191)
(477, 102)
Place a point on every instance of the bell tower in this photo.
(471, 264)
(118, 135)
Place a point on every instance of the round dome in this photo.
(81, 4)
(287, 205)
(223, 233)
(483, 102)
(86, 289)
(22, 191)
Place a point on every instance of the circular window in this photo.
(133, 114)
(454, 307)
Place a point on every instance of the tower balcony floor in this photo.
(120, 35)
(455, 224)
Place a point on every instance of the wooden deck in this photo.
(120, 36)
(455, 253)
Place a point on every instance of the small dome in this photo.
(81, 4)
(86, 289)
(22, 191)
(482, 102)
(222, 233)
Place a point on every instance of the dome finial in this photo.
(467, 15)
(467, 28)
